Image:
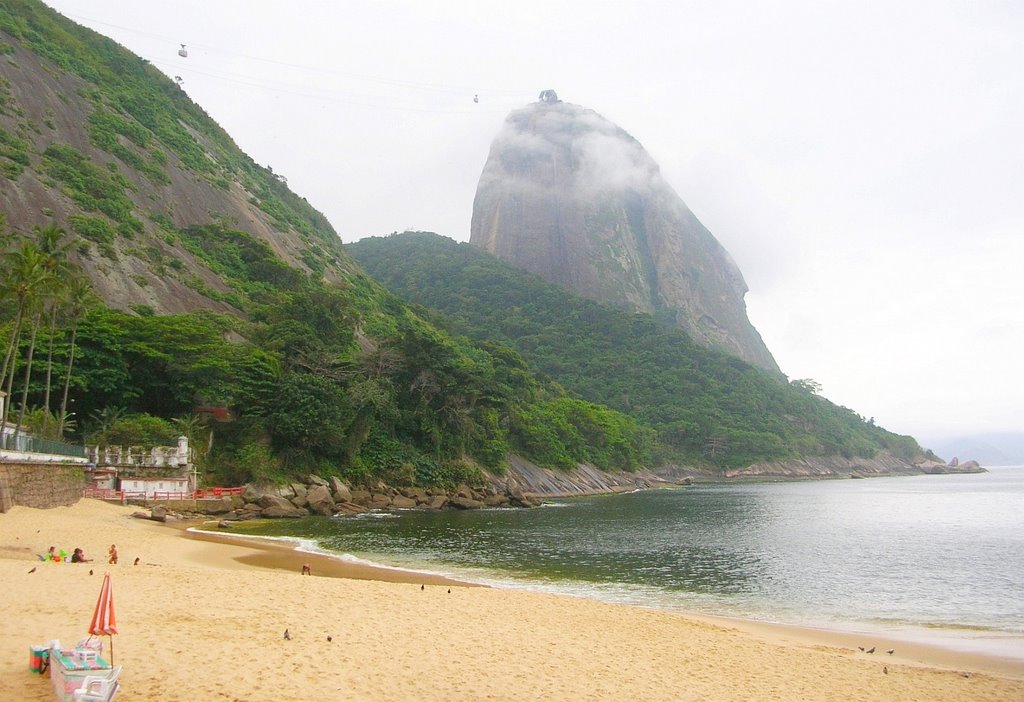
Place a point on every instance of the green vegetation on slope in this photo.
(136, 101)
(705, 405)
(335, 379)
(315, 374)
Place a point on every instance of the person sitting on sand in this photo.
(112, 551)
(79, 557)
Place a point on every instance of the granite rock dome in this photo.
(572, 197)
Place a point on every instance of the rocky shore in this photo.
(824, 467)
(333, 497)
(522, 485)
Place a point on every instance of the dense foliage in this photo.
(705, 405)
(305, 386)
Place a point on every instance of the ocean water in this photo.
(929, 558)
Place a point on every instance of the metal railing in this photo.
(124, 495)
(27, 443)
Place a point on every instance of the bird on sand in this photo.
(287, 636)
(90, 571)
(449, 591)
(861, 648)
(891, 651)
(870, 650)
(329, 639)
(885, 669)
(423, 587)
(33, 569)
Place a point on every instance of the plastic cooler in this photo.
(36, 654)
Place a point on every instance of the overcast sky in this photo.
(863, 162)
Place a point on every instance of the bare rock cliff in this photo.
(572, 197)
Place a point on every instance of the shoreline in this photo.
(277, 554)
(274, 554)
(202, 618)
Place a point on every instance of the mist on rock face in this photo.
(572, 197)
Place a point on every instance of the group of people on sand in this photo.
(78, 556)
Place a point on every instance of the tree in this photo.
(49, 240)
(27, 278)
(80, 297)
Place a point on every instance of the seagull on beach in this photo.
(287, 636)
(90, 571)
(860, 648)
(329, 639)
(423, 587)
(885, 669)
(33, 569)
(870, 650)
(891, 651)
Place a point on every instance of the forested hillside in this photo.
(157, 281)
(706, 406)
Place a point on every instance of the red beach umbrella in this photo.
(104, 623)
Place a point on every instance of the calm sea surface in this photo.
(930, 558)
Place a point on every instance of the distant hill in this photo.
(572, 197)
(995, 449)
(707, 406)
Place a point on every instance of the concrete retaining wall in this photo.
(40, 485)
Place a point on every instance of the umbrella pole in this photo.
(111, 649)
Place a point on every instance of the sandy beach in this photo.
(203, 619)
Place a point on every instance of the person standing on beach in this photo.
(113, 554)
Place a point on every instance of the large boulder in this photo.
(316, 480)
(517, 498)
(360, 497)
(496, 500)
(460, 502)
(319, 500)
(286, 491)
(250, 493)
(414, 493)
(437, 502)
(347, 508)
(268, 500)
(379, 500)
(339, 490)
(402, 502)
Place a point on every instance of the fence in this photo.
(27, 443)
(125, 495)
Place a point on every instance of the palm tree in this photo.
(106, 418)
(27, 276)
(192, 426)
(49, 239)
(80, 297)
